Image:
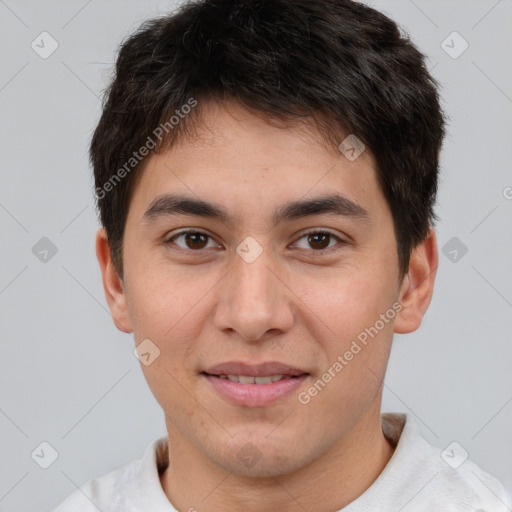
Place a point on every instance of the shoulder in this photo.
(95, 493)
(464, 484)
(421, 477)
(117, 490)
(98, 493)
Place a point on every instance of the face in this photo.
(272, 261)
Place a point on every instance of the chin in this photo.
(261, 458)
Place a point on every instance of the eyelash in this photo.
(317, 252)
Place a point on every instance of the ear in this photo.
(112, 284)
(418, 285)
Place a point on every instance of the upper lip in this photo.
(254, 370)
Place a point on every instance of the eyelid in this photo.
(321, 230)
(171, 236)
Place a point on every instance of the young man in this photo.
(266, 172)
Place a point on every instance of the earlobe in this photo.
(112, 284)
(418, 285)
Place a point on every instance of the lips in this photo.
(267, 369)
(247, 379)
(249, 385)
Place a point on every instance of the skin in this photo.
(206, 306)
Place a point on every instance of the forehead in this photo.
(239, 159)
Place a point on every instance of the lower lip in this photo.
(255, 395)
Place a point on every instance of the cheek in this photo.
(344, 303)
(356, 358)
(164, 303)
(355, 339)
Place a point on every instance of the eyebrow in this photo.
(334, 204)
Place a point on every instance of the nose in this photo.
(254, 300)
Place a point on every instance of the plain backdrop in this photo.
(70, 379)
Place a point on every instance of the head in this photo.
(234, 119)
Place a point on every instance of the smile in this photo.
(251, 384)
(246, 379)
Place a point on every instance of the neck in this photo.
(329, 483)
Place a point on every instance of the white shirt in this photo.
(416, 479)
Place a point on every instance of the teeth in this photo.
(244, 379)
(263, 380)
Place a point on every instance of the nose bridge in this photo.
(253, 301)
(252, 280)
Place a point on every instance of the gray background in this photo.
(69, 378)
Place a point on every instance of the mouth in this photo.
(254, 385)
(247, 379)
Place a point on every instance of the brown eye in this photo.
(319, 240)
(194, 240)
